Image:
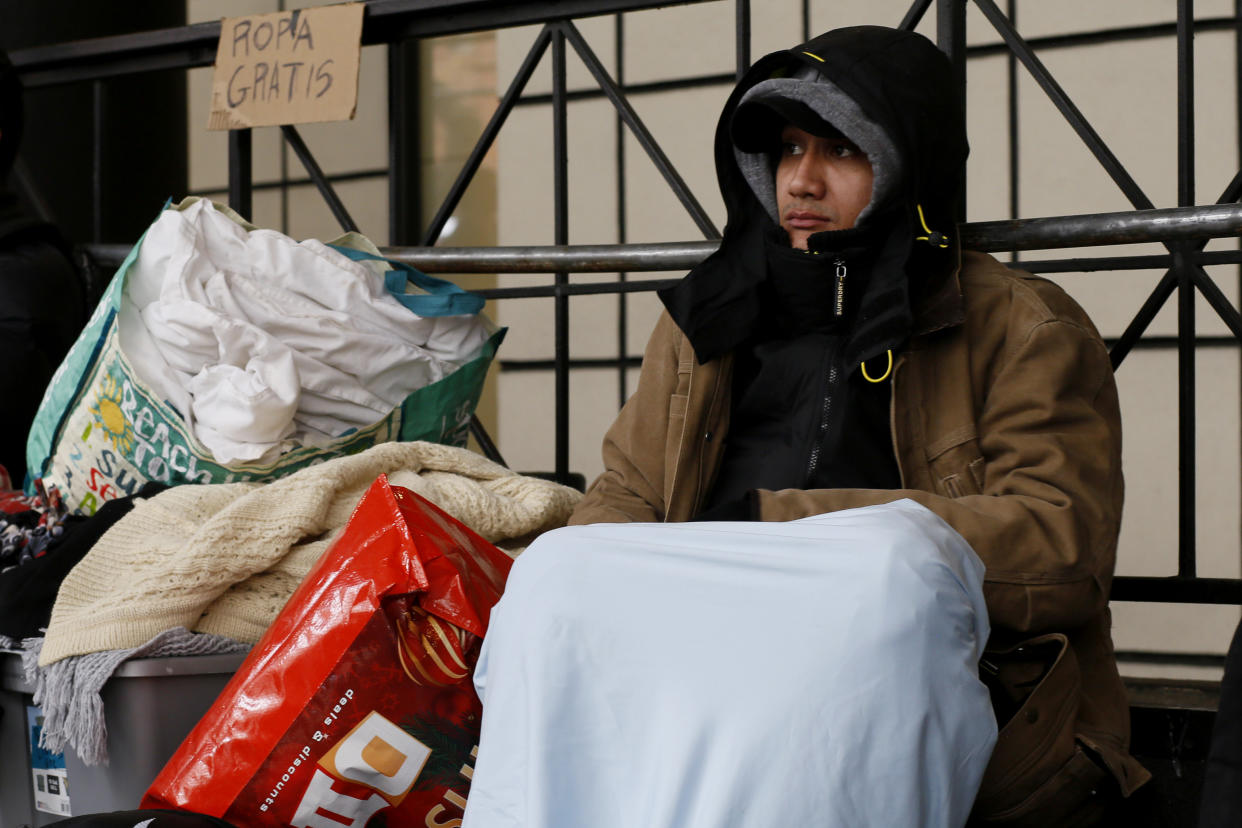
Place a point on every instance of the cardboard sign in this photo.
(290, 67)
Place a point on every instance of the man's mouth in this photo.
(805, 219)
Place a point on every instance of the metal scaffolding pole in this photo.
(1169, 224)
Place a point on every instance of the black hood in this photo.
(904, 84)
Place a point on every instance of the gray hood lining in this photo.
(826, 100)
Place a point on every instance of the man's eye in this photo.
(844, 150)
(790, 148)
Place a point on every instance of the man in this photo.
(42, 298)
(841, 351)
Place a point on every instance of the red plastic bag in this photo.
(358, 700)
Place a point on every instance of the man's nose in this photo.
(808, 178)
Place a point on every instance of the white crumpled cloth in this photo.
(262, 343)
(737, 675)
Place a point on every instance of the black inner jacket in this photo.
(731, 302)
(799, 418)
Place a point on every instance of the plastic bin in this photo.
(149, 706)
(16, 798)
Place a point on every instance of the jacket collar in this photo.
(904, 84)
(942, 306)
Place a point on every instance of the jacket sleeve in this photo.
(632, 486)
(1046, 502)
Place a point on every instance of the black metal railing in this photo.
(1184, 229)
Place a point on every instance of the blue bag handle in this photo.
(443, 298)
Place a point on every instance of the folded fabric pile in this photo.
(263, 344)
(27, 592)
(29, 524)
(223, 559)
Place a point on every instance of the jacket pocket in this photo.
(1040, 773)
(956, 464)
(1073, 795)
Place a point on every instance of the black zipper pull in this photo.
(838, 309)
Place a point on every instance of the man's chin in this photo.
(800, 239)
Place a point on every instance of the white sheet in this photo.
(821, 672)
(263, 343)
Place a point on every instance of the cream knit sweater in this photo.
(224, 558)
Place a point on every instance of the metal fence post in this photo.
(1185, 294)
(240, 173)
(405, 208)
(560, 174)
(951, 38)
(743, 37)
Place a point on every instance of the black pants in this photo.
(1221, 804)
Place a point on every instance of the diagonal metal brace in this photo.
(645, 139)
(915, 15)
(294, 139)
(1062, 101)
(468, 170)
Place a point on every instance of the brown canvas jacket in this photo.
(1005, 422)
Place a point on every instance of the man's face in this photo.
(821, 184)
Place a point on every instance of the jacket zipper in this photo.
(838, 305)
(830, 381)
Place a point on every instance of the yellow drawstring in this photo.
(887, 371)
(817, 57)
(933, 237)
